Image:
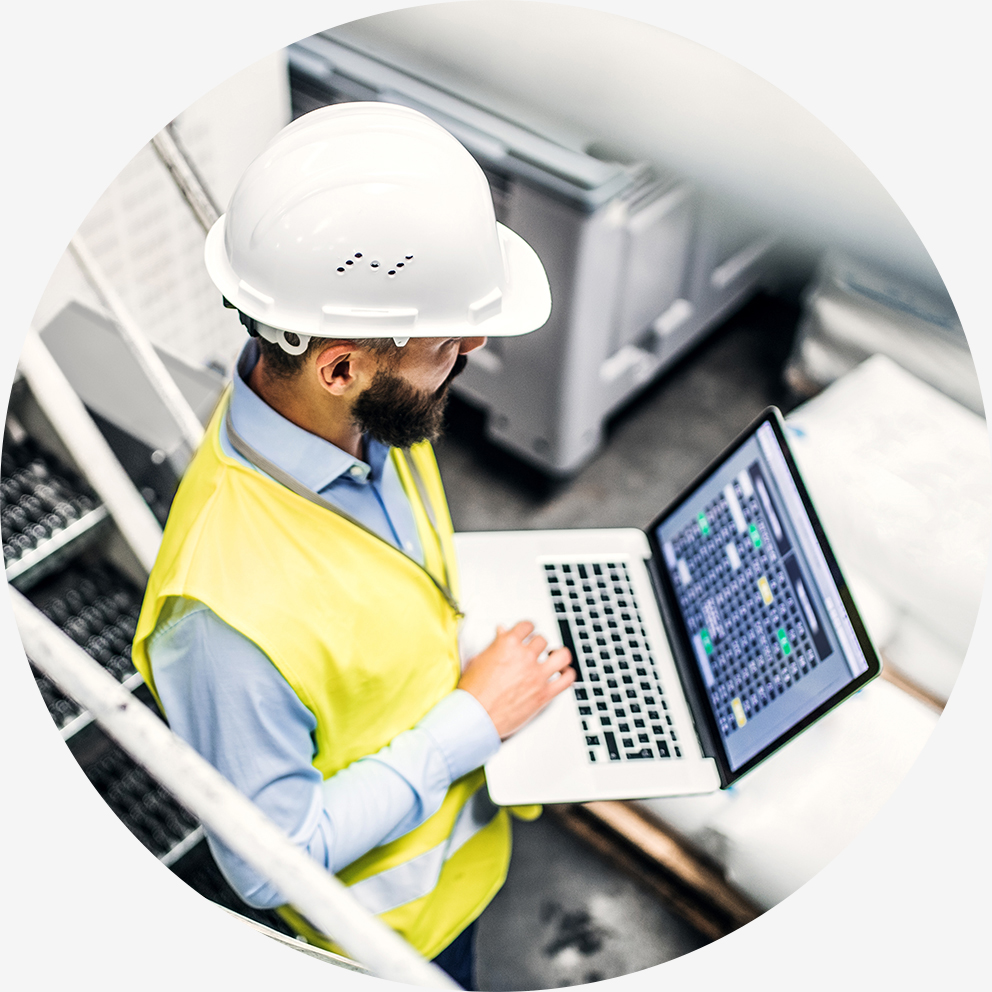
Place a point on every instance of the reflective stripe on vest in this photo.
(416, 878)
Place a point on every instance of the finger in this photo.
(537, 645)
(500, 630)
(522, 630)
(559, 659)
(565, 678)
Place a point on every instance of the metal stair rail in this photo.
(90, 450)
(147, 358)
(220, 807)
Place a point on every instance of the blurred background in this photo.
(712, 249)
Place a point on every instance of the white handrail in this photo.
(147, 358)
(175, 158)
(220, 807)
(90, 450)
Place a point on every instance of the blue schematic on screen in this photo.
(765, 619)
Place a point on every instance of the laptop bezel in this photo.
(690, 675)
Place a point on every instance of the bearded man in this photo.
(300, 627)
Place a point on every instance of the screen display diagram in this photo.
(770, 634)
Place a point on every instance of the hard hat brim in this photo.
(526, 300)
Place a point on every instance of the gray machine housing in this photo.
(641, 262)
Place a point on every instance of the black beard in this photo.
(397, 415)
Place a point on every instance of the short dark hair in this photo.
(282, 365)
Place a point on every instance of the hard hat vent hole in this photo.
(349, 262)
(399, 265)
(375, 265)
(291, 339)
(391, 272)
(408, 257)
(358, 254)
(340, 268)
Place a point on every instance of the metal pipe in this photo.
(221, 808)
(170, 150)
(89, 449)
(146, 356)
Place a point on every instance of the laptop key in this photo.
(564, 628)
(643, 753)
(611, 746)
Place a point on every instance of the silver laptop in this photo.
(700, 645)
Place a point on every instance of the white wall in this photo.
(597, 77)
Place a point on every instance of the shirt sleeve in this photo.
(224, 696)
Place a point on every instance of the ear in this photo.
(340, 365)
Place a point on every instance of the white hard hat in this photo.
(366, 220)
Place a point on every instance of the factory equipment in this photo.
(137, 424)
(853, 309)
(642, 264)
(67, 551)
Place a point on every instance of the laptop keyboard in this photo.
(620, 699)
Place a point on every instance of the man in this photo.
(300, 624)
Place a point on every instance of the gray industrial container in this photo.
(641, 263)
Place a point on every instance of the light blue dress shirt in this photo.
(224, 696)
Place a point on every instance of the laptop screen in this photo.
(763, 606)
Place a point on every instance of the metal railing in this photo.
(90, 450)
(144, 353)
(169, 148)
(220, 807)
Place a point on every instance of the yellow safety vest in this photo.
(366, 640)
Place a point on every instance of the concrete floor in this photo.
(566, 917)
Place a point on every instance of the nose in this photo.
(470, 344)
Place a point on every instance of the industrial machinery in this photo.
(66, 547)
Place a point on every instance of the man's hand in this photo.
(509, 681)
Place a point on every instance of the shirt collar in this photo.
(306, 457)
